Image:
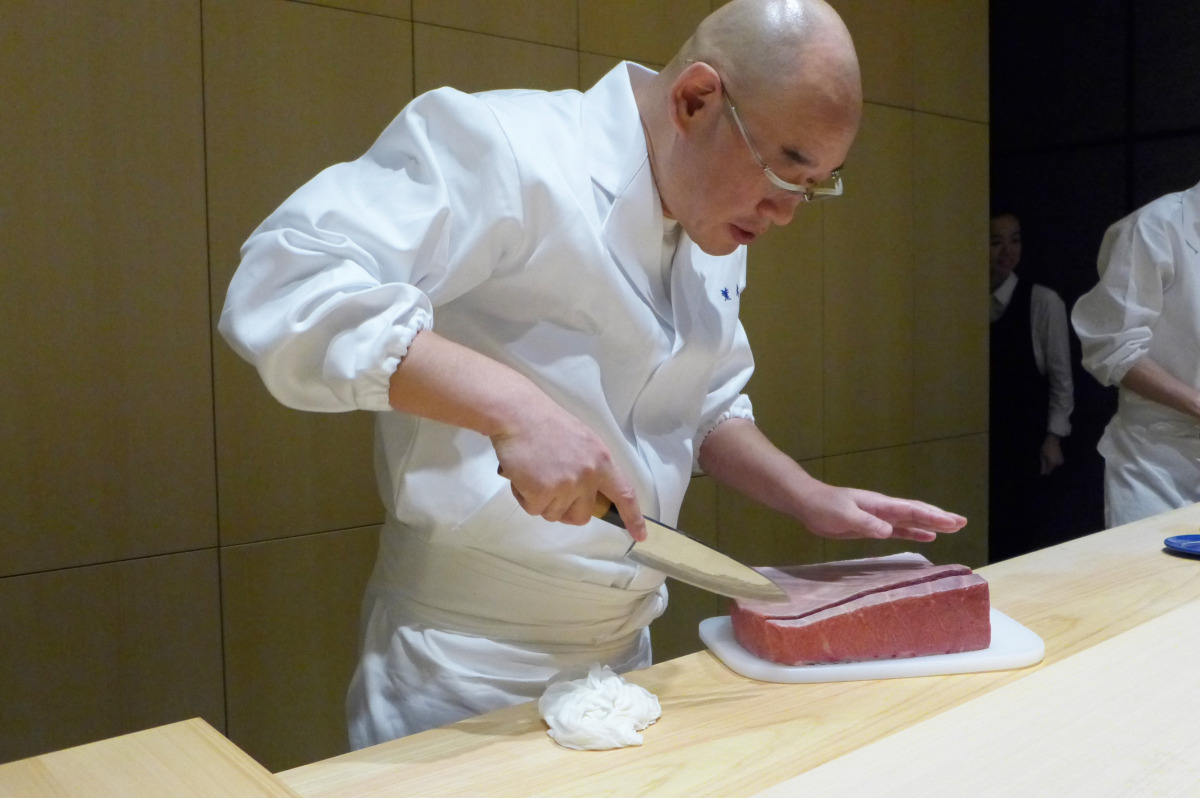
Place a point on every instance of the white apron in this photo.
(1151, 463)
(455, 628)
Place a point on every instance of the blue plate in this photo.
(1184, 544)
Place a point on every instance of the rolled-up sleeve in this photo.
(725, 399)
(333, 287)
(1115, 319)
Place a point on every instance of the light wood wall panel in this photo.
(291, 614)
(883, 37)
(93, 652)
(593, 67)
(105, 404)
(398, 9)
(950, 38)
(290, 88)
(953, 473)
(869, 290)
(951, 291)
(648, 31)
(495, 63)
(783, 311)
(550, 22)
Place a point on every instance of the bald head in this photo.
(792, 68)
(764, 48)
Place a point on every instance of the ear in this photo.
(695, 94)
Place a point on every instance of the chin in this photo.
(723, 249)
(715, 245)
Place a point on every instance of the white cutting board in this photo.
(1013, 646)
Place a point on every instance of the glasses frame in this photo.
(828, 188)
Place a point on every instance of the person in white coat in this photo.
(537, 294)
(1139, 328)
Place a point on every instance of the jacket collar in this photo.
(616, 144)
(627, 202)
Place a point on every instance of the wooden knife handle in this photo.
(605, 510)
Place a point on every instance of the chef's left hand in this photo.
(845, 513)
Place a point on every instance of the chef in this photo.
(1139, 328)
(537, 294)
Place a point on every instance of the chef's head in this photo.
(752, 118)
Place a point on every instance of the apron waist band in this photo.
(469, 591)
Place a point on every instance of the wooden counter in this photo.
(189, 758)
(1112, 608)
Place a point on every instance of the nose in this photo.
(778, 207)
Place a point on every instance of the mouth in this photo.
(743, 236)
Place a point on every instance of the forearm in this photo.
(1152, 381)
(738, 455)
(557, 465)
(444, 381)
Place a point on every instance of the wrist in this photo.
(516, 405)
(804, 494)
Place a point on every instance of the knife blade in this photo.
(682, 557)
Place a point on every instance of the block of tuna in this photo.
(875, 608)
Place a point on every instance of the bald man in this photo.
(537, 295)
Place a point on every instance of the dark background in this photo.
(1095, 111)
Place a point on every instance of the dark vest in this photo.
(1019, 392)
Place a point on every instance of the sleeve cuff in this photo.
(372, 387)
(741, 408)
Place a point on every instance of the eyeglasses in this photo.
(831, 187)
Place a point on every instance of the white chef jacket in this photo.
(527, 226)
(1051, 348)
(1147, 304)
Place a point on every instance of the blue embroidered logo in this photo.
(725, 293)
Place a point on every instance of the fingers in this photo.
(921, 522)
(918, 515)
(573, 497)
(559, 508)
(635, 525)
(881, 517)
(624, 498)
(919, 535)
(870, 526)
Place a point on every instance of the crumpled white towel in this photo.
(597, 712)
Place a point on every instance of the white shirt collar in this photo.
(1005, 291)
(1002, 296)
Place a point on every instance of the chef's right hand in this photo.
(557, 466)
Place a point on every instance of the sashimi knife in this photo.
(682, 557)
